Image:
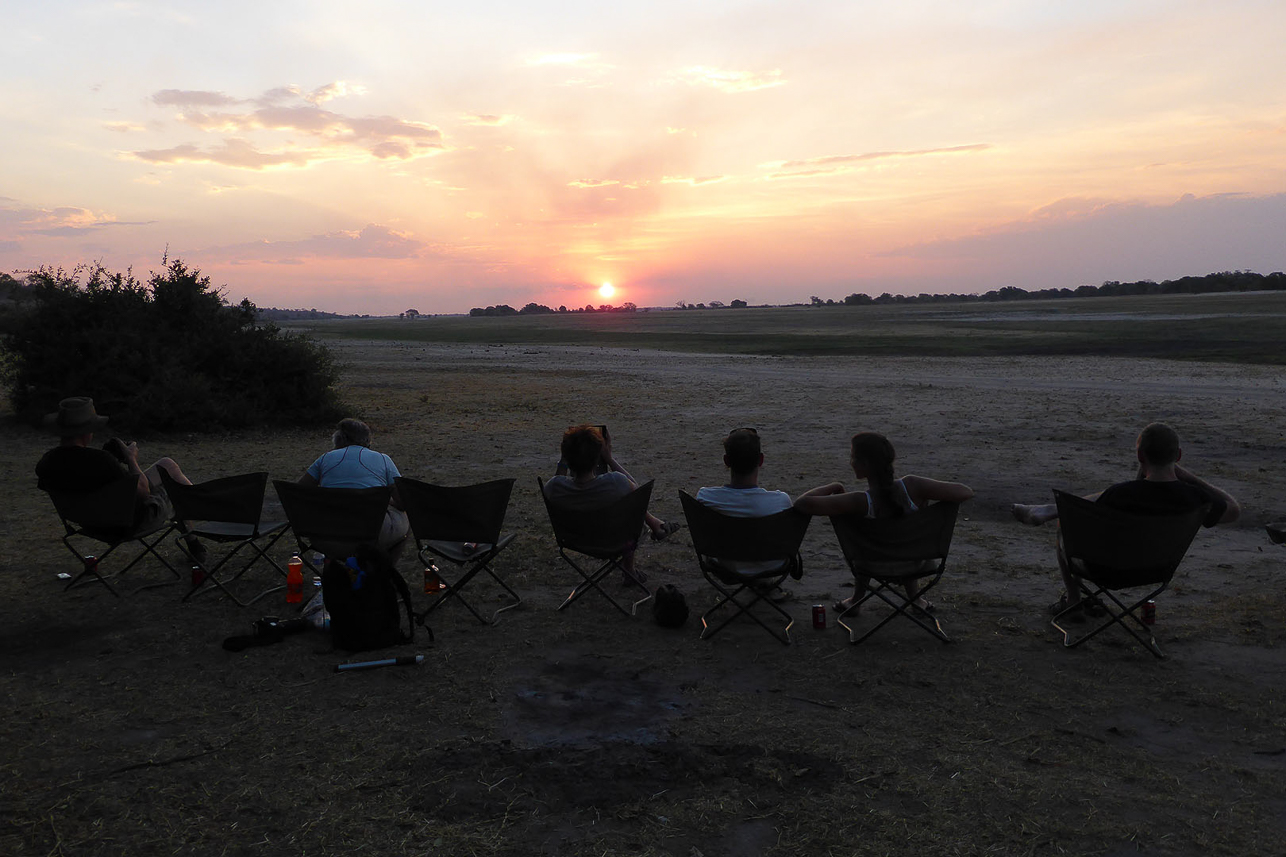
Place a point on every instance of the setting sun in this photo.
(607, 290)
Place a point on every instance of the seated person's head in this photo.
(351, 432)
(872, 454)
(581, 448)
(1158, 445)
(741, 451)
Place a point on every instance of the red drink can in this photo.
(819, 617)
(198, 575)
(1149, 612)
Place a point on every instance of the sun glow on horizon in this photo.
(606, 290)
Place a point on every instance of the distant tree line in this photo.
(1225, 281)
(541, 309)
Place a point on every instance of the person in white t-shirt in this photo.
(742, 497)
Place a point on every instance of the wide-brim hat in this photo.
(75, 416)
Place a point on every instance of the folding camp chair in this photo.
(107, 516)
(461, 526)
(1114, 550)
(335, 521)
(893, 553)
(726, 545)
(225, 511)
(605, 535)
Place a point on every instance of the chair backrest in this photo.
(340, 516)
(1122, 549)
(603, 531)
(472, 513)
(107, 510)
(913, 537)
(771, 537)
(232, 499)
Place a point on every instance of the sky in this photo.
(376, 157)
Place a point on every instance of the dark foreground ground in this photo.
(130, 731)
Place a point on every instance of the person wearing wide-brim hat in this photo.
(75, 467)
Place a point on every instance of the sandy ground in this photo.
(586, 732)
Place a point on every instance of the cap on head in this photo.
(75, 416)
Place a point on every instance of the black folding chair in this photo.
(606, 535)
(335, 521)
(461, 526)
(1113, 550)
(740, 556)
(107, 516)
(893, 553)
(225, 511)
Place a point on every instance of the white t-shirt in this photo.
(753, 502)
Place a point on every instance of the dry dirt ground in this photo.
(128, 730)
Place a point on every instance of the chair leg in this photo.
(453, 591)
(902, 606)
(1114, 618)
(730, 598)
(591, 581)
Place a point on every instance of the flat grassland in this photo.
(130, 731)
(1226, 327)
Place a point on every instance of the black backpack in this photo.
(361, 596)
(669, 607)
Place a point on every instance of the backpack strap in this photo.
(405, 592)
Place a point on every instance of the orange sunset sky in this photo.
(374, 157)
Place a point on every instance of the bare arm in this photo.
(831, 499)
(144, 488)
(922, 489)
(1230, 514)
(308, 481)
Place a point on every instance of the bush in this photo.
(165, 355)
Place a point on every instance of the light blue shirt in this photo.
(353, 467)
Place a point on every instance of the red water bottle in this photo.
(295, 580)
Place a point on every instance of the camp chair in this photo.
(462, 526)
(107, 516)
(720, 539)
(225, 511)
(335, 521)
(606, 535)
(1114, 550)
(894, 552)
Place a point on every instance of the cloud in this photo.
(233, 153)
(692, 180)
(63, 221)
(488, 119)
(336, 134)
(124, 127)
(371, 242)
(191, 98)
(732, 81)
(562, 59)
(840, 163)
(1079, 240)
(591, 183)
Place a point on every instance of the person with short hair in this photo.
(77, 468)
(1162, 487)
(353, 464)
(871, 456)
(742, 496)
(583, 447)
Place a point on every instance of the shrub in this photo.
(169, 354)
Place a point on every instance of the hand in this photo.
(131, 449)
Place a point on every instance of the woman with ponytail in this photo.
(886, 496)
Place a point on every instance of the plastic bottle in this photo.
(295, 580)
(318, 561)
